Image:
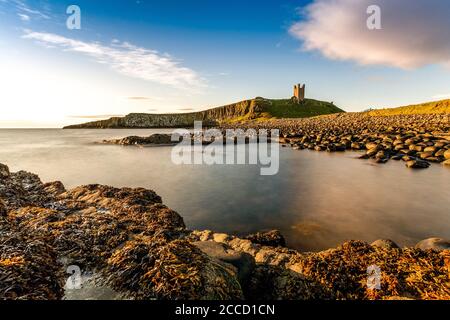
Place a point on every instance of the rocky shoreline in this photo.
(418, 139)
(140, 249)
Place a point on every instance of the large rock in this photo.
(417, 164)
(243, 262)
(437, 244)
(276, 283)
(272, 238)
(149, 267)
(385, 243)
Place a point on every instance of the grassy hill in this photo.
(436, 107)
(286, 108)
(258, 108)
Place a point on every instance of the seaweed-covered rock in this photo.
(151, 268)
(272, 238)
(408, 272)
(270, 282)
(154, 139)
(88, 223)
(29, 269)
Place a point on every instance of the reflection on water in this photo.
(317, 200)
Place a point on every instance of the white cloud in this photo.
(23, 17)
(128, 60)
(414, 32)
(25, 10)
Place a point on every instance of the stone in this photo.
(4, 171)
(385, 243)
(425, 155)
(54, 188)
(437, 244)
(272, 283)
(221, 237)
(243, 262)
(272, 238)
(446, 163)
(447, 154)
(432, 150)
(417, 164)
(372, 152)
(371, 145)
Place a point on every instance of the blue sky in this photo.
(175, 56)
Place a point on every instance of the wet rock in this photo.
(385, 243)
(417, 164)
(447, 154)
(154, 139)
(344, 271)
(244, 262)
(151, 268)
(446, 162)
(54, 188)
(437, 244)
(272, 238)
(29, 269)
(271, 283)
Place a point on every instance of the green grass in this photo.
(436, 107)
(286, 108)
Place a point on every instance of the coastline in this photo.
(142, 250)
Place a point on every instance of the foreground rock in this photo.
(437, 244)
(140, 248)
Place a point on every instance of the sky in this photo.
(180, 56)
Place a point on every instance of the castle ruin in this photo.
(299, 93)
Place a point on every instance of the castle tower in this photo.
(299, 92)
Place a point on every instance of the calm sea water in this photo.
(317, 200)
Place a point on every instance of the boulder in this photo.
(437, 244)
(417, 164)
(385, 243)
(152, 268)
(272, 283)
(243, 262)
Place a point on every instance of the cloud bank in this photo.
(414, 33)
(127, 59)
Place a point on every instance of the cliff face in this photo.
(247, 108)
(240, 111)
